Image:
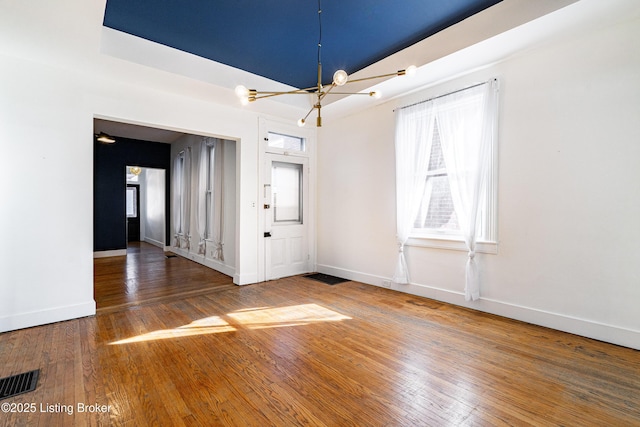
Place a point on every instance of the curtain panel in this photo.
(176, 190)
(466, 122)
(210, 197)
(185, 200)
(180, 198)
(207, 145)
(414, 137)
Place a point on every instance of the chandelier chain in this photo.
(320, 34)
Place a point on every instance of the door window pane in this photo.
(132, 210)
(286, 180)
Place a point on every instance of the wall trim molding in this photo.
(154, 242)
(106, 254)
(207, 262)
(583, 327)
(43, 317)
(245, 279)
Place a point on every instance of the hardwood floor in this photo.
(298, 352)
(146, 274)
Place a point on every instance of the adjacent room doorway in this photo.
(145, 205)
(133, 212)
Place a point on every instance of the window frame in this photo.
(487, 241)
(299, 168)
(277, 150)
(208, 192)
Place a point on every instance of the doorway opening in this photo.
(145, 205)
(133, 210)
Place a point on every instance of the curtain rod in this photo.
(443, 95)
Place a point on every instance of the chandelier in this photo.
(340, 78)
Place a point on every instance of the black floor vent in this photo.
(326, 279)
(18, 384)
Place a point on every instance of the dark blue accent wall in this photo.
(109, 186)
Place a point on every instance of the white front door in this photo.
(286, 210)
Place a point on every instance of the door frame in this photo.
(268, 213)
(138, 217)
(265, 126)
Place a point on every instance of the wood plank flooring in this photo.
(146, 274)
(298, 352)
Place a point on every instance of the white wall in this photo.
(53, 82)
(569, 191)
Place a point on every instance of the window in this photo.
(286, 179)
(209, 212)
(436, 212)
(208, 191)
(286, 143)
(181, 194)
(445, 150)
(132, 202)
(180, 185)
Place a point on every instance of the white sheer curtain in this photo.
(217, 199)
(210, 208)
(414, 137)
(176, 196)
(185, 201)
(466, 121)
(207, 145)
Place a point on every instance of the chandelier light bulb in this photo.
(244, 100)
(376, 94)
(340, 77)
(301, 123)
(411, 70)
(242, 92)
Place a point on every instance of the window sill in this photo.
(453, 243)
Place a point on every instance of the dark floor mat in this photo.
(326, 279)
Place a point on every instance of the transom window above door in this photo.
(286, 143)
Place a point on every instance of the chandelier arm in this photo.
(352, 93)
(321, 97)
(309, 113)
(272, 94)
(398, 73)
(260, 95)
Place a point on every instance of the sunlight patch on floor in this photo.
(294, 315)
(251, 318)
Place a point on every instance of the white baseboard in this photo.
(43, 317)
(211, 263)
(154, 242)
(105, 254)
(245, 279)
(583, 327)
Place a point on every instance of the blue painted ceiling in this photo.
(278, 39)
